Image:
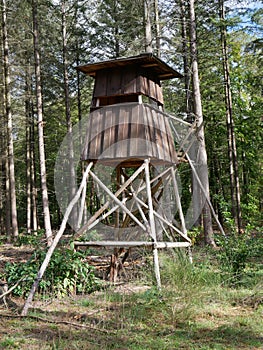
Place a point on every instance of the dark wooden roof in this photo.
(146, 61)
(129, 133)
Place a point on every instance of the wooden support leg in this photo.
(55, 241)
(117, 261)
(181, 214)
(114, 266)
(82, 205)
(122, 260)
(152, 224)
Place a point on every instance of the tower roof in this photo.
(146, 61)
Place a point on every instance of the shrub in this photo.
(234, 255)
(67, 273)
(34, 239)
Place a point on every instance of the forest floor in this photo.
(133, 315)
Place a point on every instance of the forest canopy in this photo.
(43, 95)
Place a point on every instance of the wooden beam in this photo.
(164, 220)
(181, 214)
(104, 216)
(116, 200)
(82, 205)
(130, 244)
(155, 188)
(178, 201)
(207, 199)
(106, 205)
(56, 239)
(152, 223)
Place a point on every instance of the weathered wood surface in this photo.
(95, 216)
(127, 244)
(147, 62)
(129, 133)
(122, 82)
(56, 239)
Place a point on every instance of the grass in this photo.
(196, 309)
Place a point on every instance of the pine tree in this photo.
(42, 157)
(201, 152)
(7, 103)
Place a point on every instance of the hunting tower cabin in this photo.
(127, 123)
(128, 128)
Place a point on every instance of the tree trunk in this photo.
(28, 178)
(196, 193)
(7, 201)
(3, 159)
(10, 146)
(33, 172)
(6, 182)
(85, 214)
(2, 223)
(116, 29)
(148, 26)
(231, 138)
(28, 153)
(187, 80)
(201, 153)
(72, 175)
(157, 29)
(43, 175)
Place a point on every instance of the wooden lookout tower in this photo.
(129, 132)
(129, 135)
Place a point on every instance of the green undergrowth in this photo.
(68, 273)
(204, 305)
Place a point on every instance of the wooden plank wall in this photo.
(119, 82)
(129, 131)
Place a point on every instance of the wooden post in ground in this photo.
(152, 224)
(114, 255)
(114, 265)
(181, 214)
